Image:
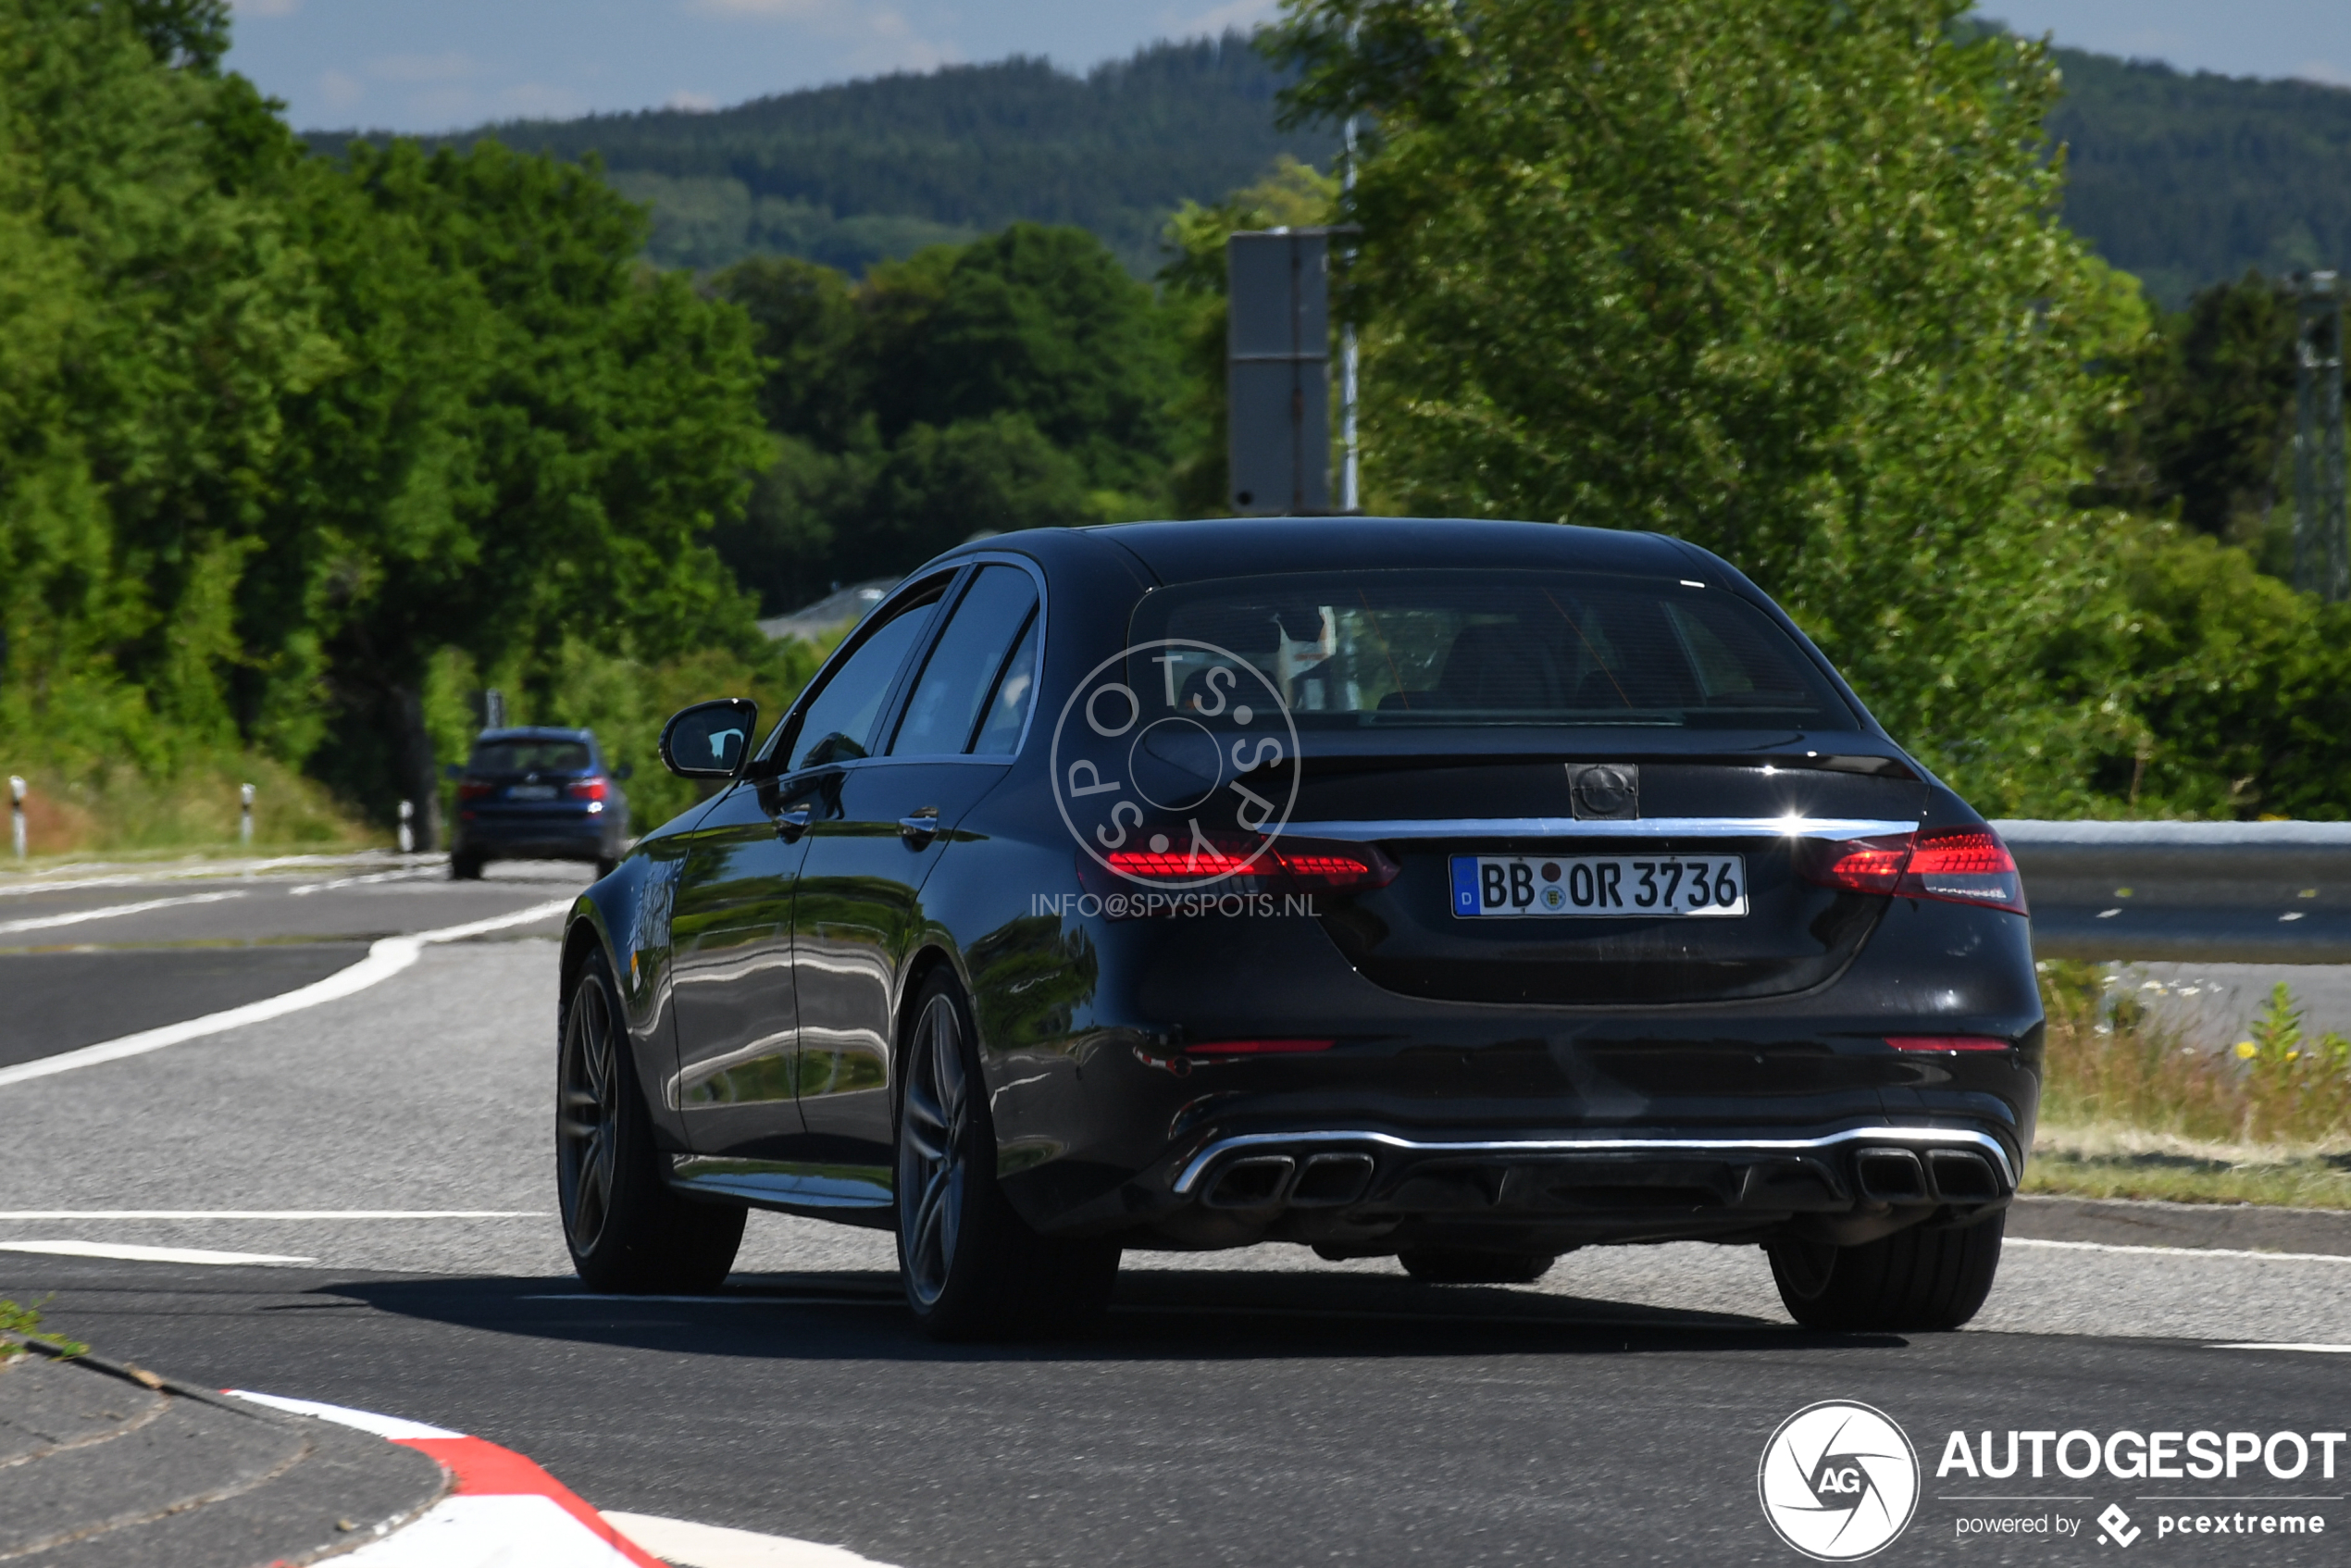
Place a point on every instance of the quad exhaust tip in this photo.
(1946, 1176)
(1320, 1181)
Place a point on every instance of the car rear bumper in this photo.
(1365, 1192)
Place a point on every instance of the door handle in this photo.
(791, 824)
(920, 828)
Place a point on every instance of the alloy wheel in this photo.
(931, 1168)
(588, 1117)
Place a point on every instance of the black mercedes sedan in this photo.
(1464, 892)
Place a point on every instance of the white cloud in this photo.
(1245, 15)
(879, 38)
(691, 103)
(2325, 72)
(264, 7)
(341, 92)
(537, 100)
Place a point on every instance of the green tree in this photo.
(1782, 276)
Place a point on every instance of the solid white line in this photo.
(2183, 1251)
(385, 958)
(42, 922)
(2314, 1350)
(343, 1415)
(274, 1214)
(712, 1546)
(145, 1254)
(224, 869)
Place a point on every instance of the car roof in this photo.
(534, 732)
(1218, 547)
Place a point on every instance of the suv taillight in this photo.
(470, 791)
(587, 790)
(1955, 864)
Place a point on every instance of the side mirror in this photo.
(710, 740)
(451, 770)
(624, 773)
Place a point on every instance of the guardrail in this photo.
(2264, 892)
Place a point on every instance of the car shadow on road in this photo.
(1158, 1315)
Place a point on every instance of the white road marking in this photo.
(343, 1415)
(711, 1546)
(12, 886)
(145, 1254)
(2182, 1251)
(357, 881)
(275, 1213)
(2314, 1350)
(500, 1530)
(42, 922)
(385, 958)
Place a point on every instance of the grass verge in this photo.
(2113, 1162)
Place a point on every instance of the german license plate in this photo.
(1589, 886)
(530, 792)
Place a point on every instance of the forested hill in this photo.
(2187, 181)
(847, 174)
(2184, 179)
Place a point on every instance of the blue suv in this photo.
(538, 794)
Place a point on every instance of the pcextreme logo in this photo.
(1839, 1481)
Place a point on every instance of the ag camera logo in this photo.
(1170, 782)
(1839, 1481)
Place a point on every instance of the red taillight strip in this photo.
(1953, 864)
(1946, 1042)
(1257, 1046)
(1303, 866)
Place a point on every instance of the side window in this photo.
(964, 664)
(1008, 705)
(839, 722)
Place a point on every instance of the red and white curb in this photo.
(507, 1513)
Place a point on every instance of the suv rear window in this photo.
(1377, 649)
(529, 756)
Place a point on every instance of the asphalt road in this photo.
(1253, 1408)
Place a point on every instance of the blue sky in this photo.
(436, 65)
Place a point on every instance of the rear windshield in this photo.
(1379, 649)
(529, 756)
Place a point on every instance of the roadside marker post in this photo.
(407, 830)
(245, 817)
(16, 814)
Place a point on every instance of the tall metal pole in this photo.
(2321, 543)
(1351, 495)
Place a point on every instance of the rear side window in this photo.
(1008, 705)
(529, 756)
(1386, 648)
(838, 725)
(964, 666)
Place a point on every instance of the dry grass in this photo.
(124, 812)
(2135, 1108)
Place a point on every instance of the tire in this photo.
(1461, 1265)
(628, 1231)
(1914, 1281)
(972, 1268)
(464, 867)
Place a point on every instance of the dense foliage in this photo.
(852, 174)
(1019, 382)
(1803, 297)
(294, 454)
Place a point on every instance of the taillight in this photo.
(1955, 864)
(1946, 1042)
(587, 788)
(1257, 1046)
(1284, 866)
(1965, 865)
(470, 791)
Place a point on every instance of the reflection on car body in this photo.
(901, 984)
